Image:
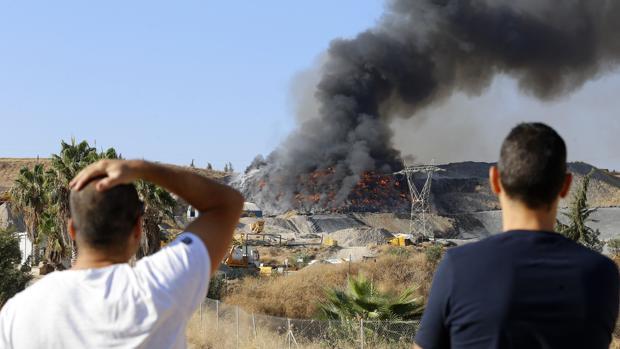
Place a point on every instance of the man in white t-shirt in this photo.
(103, 302)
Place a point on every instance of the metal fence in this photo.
(220, 325)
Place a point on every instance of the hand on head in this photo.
(111, 172)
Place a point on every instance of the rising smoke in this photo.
(421, 53)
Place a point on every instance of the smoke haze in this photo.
(472, 128)
(397, 76)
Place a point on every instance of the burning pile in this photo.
(422, 52)
(374, 192)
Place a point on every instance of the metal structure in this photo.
(420, 206)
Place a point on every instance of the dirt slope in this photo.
(9, 169)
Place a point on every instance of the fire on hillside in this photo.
(373, 192)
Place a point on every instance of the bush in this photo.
(399, 251)
(217, 286)
(433, 255)
(13, 279)
(577, 216)
(614, 247)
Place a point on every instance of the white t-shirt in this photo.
(146, 306)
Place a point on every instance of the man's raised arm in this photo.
(219, 205)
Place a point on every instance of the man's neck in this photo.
(517, 216)
(90, 259)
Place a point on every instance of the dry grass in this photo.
(226, 333)
(298, 294)
(208, 336)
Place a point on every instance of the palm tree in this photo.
(49, 226)
(361, 309)
(158, 205)
(362, 301)
(43, 196)
(578, 216)
(73, 157)
(28, 194)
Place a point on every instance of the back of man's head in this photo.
(105, 219)
(532, 164)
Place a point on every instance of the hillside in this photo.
(9, 169)
(463, 187)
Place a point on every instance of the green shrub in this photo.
(614, 247)
(433, 254)
(578, 216)
(217, 286)
(400, 251)
(12, 279)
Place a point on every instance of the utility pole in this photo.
(420, 206)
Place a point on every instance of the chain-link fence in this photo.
(220, 325)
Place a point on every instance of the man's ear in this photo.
(71, 229)
(494, 180)
(568, 179)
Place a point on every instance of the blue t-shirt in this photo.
(521, 289)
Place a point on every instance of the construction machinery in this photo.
(400, 240)
(328, 241)
(257, 227)
(241, 256)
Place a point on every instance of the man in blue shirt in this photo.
(527, 287)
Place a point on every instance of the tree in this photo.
(230, 168)
(13, 278)
(362, 301)
(158, 205)
(361, 309)
(43, 198)
(226, 167)
(192, 164)
(49, 226)
(71, 159)
(209, 167)
(28, 194)
(578, 215)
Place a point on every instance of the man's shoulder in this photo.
(476, 248)
(599, 263)
(32, 299)
(43, 287)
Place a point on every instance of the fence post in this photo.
(201, 324)
(288, 335)
(237, 321)
(201, 305)
(361, 333)
(217, 314)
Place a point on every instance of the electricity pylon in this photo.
(420, 205)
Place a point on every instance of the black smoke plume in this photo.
(420, 53)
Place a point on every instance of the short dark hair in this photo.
(104, 220)
(532, 164)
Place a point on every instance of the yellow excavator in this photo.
(257, 227)
(240, 256)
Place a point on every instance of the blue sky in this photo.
(165, 80)
(211, 81)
